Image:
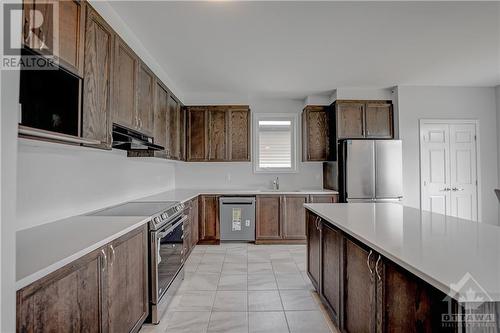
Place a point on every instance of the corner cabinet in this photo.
(365, 292)
(104, 291)
(97, 73)
(315, 133)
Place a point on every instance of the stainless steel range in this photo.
(166, 256)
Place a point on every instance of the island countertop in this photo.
(438, 249)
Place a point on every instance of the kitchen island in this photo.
(385, 267)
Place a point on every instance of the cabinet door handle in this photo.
(457, 189)
(104, 260)
(368, 262)
(376, 267)
(112, 259)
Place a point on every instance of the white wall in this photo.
(449, 103)
(240, 175)
(57, 181)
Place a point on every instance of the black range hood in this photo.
(127, 139)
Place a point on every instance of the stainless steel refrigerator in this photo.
(366, 171)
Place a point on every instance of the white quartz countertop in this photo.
(440, 250)
(183, 195)
(43, 249)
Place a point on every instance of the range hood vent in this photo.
(127, 139)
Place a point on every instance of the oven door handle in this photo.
(172, 228)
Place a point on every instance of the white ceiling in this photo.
(295, 49)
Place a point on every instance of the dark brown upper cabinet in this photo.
(218, 133)
(98, 71)
(239, 134)
(68, 43)
(197, 129)
(160, 116)
(217, 138)
(145, 99)
(363, 119)
(315, 133)
(125, 86)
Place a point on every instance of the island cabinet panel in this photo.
(197, 129)
(315, 133)
(331, 269)
(125, 86)
(217, 138)
(68, 300)
(128, 281)
(239, 135)
(209, 219)
(293, 216)
(313, 248)
(268, 217)
(98, 71)
(69, 38)
(145, 99)
(359, 289)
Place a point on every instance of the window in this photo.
(275, 143)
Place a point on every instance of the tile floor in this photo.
(235, 287)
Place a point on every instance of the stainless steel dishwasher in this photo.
(237, 218)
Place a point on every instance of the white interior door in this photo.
(449, 168)
(463, 171)
(435, 156)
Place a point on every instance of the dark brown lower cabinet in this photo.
(104, 291)
(313, 248)
(293, 216)
(209, 219)
(194, 222)
(364, 291)
(331, 249)
(268, 217)
(359, 289)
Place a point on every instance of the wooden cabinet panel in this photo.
(217, 147)
(127, 281)
(294, 216)
(315, 134)
(313, 249)
(350, 120)
(182, 133)
(209, 218)
(145, 99)
(125, 85)
(324, 198)
(98, 70)
(194, 222)
(67, 300)
(359, 289)
(239, 135)
(161, 110)
(172, 145)
(196, 134)
(331, 268)
(379, 120)
(40, 36)
(268, 224)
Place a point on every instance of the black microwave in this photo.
(50, 98)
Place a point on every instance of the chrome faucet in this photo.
(276, 184)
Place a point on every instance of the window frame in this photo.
(294, 142)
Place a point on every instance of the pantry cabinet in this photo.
(67, 43)
(315, 133)
(104, 291)
(98, 72)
